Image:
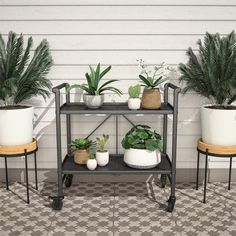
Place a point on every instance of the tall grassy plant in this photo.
(21, 77)
(211, 72)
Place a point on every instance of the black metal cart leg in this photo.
(230, 168)
(197, 178)
(6, 172)
(205, 181)
(26, 176)
(35, 171)
(163, 180)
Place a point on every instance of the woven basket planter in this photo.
(151, 99)
(81, 156)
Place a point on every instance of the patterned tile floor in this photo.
(119, 209)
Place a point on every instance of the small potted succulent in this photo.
(93, 96)
(81, 148)
(134, 101)
(91, 162)
(102, 155)
(151, 81)
(142, 147)
(22, 77)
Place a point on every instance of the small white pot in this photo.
(102, 158)
(218, 126)
(134, 103)
(16, 126)
(91, 164)
(93, 101)
(142, 158)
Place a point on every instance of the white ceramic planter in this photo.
(91, 164)
(134, 103)
(16, 126)
(102, 158)
(218, 126)
(93, 101)
(141, 158)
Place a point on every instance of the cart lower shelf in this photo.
(115, 166)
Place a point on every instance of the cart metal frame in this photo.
(66, 168)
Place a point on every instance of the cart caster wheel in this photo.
(171, 204)
(163, 181)
(57, 204)
(68, 180)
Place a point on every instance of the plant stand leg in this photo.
(35, 171)
(6, 172)
(26, 176)
(205, 180)
(230, 169)
(197, 178)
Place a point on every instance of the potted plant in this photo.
(91, 162)
(102, 155)
(93, 96)
(81, 148)
(21, 78)
(151, 98)
(142, 147)
(134, 100)
(211, 72)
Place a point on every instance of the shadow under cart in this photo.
(67, 168)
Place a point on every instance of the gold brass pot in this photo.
(81, 156)
(151, 98)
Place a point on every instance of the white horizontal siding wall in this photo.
(116, 32)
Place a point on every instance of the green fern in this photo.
(21, 78)
(212, 72)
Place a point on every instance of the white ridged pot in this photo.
(218, 125)
(91, 164)
(102, 158)
(16, 126)
(93, 101)
(142, 158)
(134, 103)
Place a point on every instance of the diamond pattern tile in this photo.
(118, 209)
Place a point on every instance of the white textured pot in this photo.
(102, 158)
(142, 158)
(16, 126)
(91, 164)
(218, 126)
(93, 101)
(134, 103)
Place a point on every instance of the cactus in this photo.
(101, 142)
(134, 91)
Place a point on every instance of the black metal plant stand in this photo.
(215, 151)
(17, 151)
(67, 168)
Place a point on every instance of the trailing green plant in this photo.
(142, 137)
(153, 79)
(81, 143)
(93, 81)
(101, 142)
(211, 72)
(21, 77)
(134, 91)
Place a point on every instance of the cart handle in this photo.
(59, 87)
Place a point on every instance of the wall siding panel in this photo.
(118, 32)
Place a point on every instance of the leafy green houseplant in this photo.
(102, 155)
(151, 81)
(21, 78)
(94, 96)
(211, 72)
(134, 100)
(91, 162)
(81, 148)
(142, 147)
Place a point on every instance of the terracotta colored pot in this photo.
(81, 156)
(151, 99)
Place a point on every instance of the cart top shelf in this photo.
(112, 108)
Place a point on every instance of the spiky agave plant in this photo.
(212, 71)
(21, 77)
